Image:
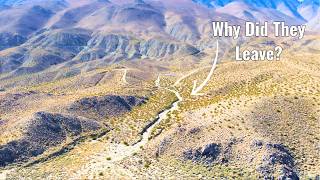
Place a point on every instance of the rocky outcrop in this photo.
(45, 130)
(206, 155)
(277, 155)
(212, 153)
(276, 161)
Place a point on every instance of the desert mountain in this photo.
(63, 33)
(302, 10)
(247, 12)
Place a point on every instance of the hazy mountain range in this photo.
(36, 35)
(301, 9)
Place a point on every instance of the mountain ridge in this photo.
(68, 32)
(293, 8)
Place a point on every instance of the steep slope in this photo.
(104, 107)
(45, 131)
(44, 50)
(98, 30)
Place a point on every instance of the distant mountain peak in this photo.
(294, 8)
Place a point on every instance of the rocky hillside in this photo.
(46, 130)
(69, 32)
(105, 107)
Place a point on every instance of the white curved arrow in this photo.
(124, 77)
(195, 89)
(157, 82)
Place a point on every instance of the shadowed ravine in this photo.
(118, 152)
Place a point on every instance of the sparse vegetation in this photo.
(245, 105)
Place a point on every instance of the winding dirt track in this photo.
(117, 152)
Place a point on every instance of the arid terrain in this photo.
(103, 90)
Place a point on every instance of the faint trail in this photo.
(100, 162)
(189, 74)
(118, 152)
(100, 79)
(113, 153)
